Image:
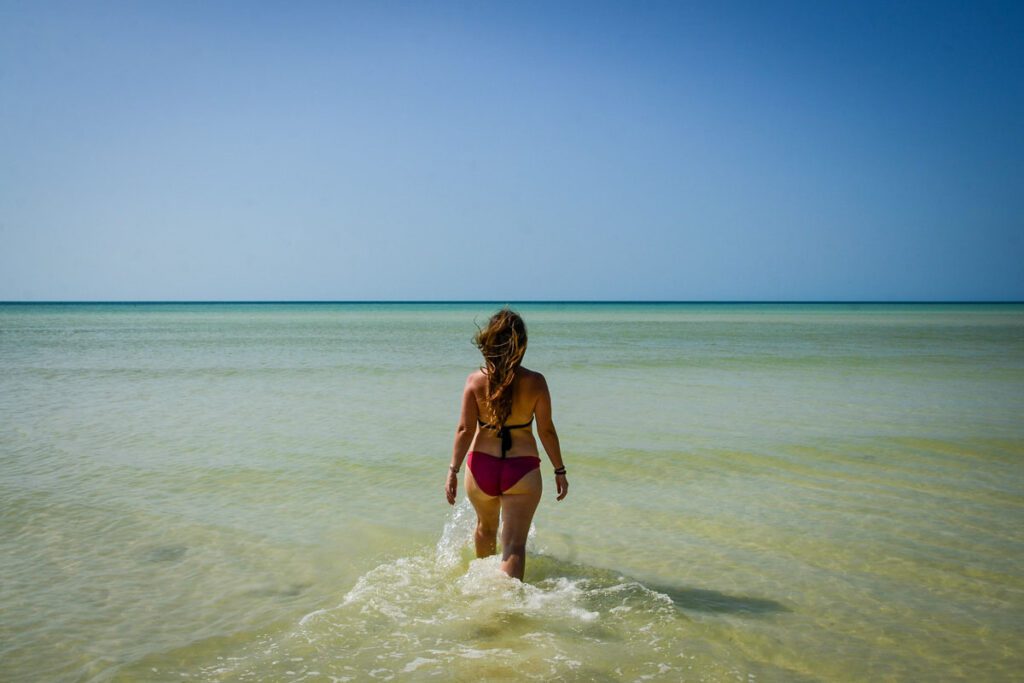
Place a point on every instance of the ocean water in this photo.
(253, 492)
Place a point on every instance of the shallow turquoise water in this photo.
(759, 492)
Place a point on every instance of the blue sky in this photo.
(511, 151)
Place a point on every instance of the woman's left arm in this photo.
(464, 433)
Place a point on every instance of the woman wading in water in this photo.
(499, 404)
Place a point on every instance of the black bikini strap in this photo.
(488, 426)
(503, 433)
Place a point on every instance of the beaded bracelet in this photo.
(453, 469)
(560, 470)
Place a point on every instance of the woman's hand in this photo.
(562, 485)
(451, 485)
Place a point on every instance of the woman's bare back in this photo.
(527, 389)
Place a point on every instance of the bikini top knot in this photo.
(503, 433)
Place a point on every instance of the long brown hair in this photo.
(503, 344)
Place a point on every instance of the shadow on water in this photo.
(165, 553)
(684, 598)
(706, 600)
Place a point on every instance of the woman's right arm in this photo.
(548, 435)
(464, 433)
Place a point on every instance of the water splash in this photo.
(445, 614)
(457, 535)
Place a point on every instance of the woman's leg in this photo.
(517, 507)
(487, 510)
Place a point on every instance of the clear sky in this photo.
(512, 151)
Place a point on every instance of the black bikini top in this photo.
(506, 438)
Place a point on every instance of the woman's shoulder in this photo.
(531, 378)
(525, 377)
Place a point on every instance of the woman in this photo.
(499, 403)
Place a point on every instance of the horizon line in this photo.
(511, 301)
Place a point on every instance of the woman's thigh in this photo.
(487, 507)
(517, 509)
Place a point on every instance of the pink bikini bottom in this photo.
(496, 475)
